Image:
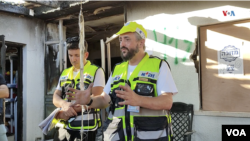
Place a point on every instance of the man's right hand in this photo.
(62, 115)
(68, 111)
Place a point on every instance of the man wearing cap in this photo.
(139, 92)
(70, 77)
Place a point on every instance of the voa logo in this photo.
(236, 132)
(228, 13)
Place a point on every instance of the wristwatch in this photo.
(91, 100)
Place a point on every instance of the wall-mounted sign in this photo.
(230, 60)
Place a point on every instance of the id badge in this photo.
(133, 109)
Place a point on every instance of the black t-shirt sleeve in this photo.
(2, 81)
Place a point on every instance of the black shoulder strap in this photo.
(98, 67)
(161, 61)
(154, 57)
(167, 64)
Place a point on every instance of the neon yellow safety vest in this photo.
(92, 121)
(146, 124)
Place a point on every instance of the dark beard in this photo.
(130, 54)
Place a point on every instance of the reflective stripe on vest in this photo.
(151, 122)
(91, 121)
(147, 135)
(149, 112)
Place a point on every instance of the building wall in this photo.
(172, 30)
(29, 31)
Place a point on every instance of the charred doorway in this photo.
(12, 70)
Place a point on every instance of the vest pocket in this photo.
(150, 129)
(88, 120)
(65, 84)
(144, 89)
(115, 100)
(113, 130)
(86, 85)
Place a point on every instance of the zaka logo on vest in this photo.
(64, 77)
(117, 77)
(149, 74)
(87, 76)
(228, 13)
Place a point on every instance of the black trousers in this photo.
(70, 135)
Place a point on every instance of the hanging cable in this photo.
(82, 48)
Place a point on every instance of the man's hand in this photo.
(4, 91)
(80, 97)
(62, 115)
(67, 110)
(130, 97)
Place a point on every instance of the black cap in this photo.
(72, 39)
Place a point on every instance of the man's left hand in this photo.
(129, 96)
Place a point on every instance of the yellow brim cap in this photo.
(133, 27)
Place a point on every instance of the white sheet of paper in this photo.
(230, 59)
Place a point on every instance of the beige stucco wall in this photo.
(172, 30)
(31, 33)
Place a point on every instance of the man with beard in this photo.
(139, 92)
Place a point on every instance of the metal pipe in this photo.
(125, 13)
(61, 44)
(102, 53)
(15, 117)
(109, 57)
(11, 95)
(103, 66)
(65, 55)
(51, 42)
(111, 39)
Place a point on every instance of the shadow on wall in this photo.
(202, 21)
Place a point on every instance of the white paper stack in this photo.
(46, 125)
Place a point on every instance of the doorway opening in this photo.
(14, 80)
